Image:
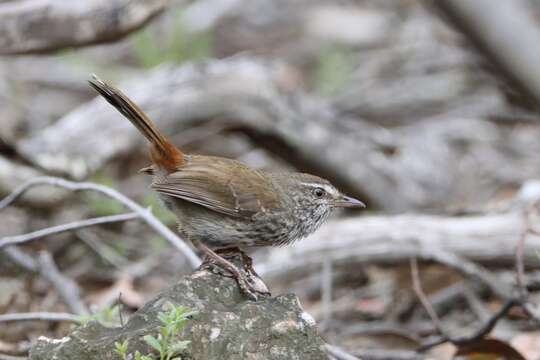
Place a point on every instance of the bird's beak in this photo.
(348, 202)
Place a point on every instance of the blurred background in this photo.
(427, 111)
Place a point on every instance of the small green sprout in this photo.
(165, 343)
(121, 349)
(173, 320)
(138, 356)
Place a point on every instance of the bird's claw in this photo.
(247, 279)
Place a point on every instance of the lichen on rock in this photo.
(227, 326)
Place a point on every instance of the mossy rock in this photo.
(227, 326)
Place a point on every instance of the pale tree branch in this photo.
(11, 357)
(46, 268)
(40, 316)
(338, 353)
(143, 213)
(24, 238)
(36, 26)
(66, 287)
(419, 291)
(528, 230)
(482, 331)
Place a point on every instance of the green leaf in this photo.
(178, 347)
(121, 349)
(153, 342)
(165, 332)
(138, 356)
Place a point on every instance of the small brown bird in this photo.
(221, 203)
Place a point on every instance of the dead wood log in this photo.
(488, 239)
(35, 26)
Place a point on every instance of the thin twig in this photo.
(107, 254)
(19, 239)
(482, 331)
(11, 357)
(326, 290)
(144, 214)
(22, 259)
(41, 316)
(67, 288)
(529, 307)
(339, 353)
(520, 267)
(417, 286)
(467, 268)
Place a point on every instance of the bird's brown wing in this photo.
(221, 185)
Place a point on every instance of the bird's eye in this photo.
(318, 192)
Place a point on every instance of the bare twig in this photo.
(389, 354)
(520, 267)
(485, 329)
(41, 316)
(469, 269)
(19, 239)
(326, 290)
(338, 353)
(23, 260)
(11, 357)
(107, 254)
(417, 286)
(143, 213)
(523, 293)
(67, 288)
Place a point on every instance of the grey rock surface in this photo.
(227, 326)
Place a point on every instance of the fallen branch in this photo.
(24, 238)
(143, 213)
(528, 231)
(338, 353)
(40, 316)
(480, 333)
(66, 287)
(23, 23)
(11, 357)
(417, 287)
(46, 268)
(485, 239)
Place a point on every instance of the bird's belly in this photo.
(217, 230)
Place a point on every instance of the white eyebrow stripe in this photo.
(328, 188)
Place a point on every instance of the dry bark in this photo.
(35, 26)
(487, 239)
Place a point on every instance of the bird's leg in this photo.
(247, 261)
(243, 281)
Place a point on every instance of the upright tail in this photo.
(163, 153)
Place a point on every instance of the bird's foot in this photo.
(224, 264)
